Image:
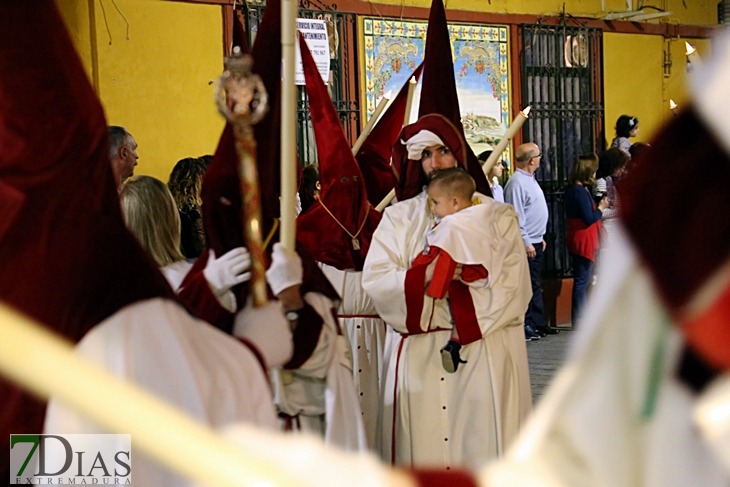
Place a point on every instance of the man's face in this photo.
(436, 157)
(128, 158)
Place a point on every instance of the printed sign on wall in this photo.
(315, 33)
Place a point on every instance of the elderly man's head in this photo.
(527, 157)
(122, 153)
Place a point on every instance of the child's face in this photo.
(443, 204)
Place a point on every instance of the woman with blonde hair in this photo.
(151, 215)
(584, 227)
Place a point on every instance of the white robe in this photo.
(175, 273)
(616, 415)
(188, 363)
(320, 395)
(366, 333)
(447, 420)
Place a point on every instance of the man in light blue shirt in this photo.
(524, 193)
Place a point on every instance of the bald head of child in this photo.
(450, 190)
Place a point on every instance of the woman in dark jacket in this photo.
(584, 227)
(185, 183)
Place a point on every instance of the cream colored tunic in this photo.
(366, 333)
(616, 415)
(186, 362)
(432, 418)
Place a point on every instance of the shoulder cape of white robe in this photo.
(190, 364)
(430, 417)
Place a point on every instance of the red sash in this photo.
(462, 305)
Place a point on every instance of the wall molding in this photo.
(363, 7)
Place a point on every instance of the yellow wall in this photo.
(634, 81)
(697, 12)
(76, 15)
(155, 83)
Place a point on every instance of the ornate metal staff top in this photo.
(243, 101)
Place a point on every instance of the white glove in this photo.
(268, 330)
(228, 270)
(285, 270)
(298, 205)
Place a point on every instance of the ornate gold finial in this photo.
(240, 94)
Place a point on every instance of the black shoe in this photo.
(531, 333)
(547, 330)
(450, 356)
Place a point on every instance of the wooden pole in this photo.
(287, 232)
(406, 118)
(502, 145)
(409, 101)
(371, 123)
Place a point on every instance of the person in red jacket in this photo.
(584, 227)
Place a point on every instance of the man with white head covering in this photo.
(431, 417)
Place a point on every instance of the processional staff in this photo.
(242, 100)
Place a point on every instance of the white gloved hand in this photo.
(298, 205)
(228, 270)
(268, 330)
(285, 270)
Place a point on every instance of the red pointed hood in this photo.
(343, 197)
(68, 260)
(438, 89)
(221, 192)
(266, 53)
(374, 155)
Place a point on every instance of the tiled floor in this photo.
(546, 356)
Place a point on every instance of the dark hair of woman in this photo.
(206, 159)
(310, 178)
(583, 170)
(625, 124)
(186, 181)
(484, 156)
(610, 161)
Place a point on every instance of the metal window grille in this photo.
(562, 79)
(723, 12)
(344, 85)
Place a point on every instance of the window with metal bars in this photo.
(344, 85)
(562, 79)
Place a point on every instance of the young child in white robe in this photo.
(450, 191)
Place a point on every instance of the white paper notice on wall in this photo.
(315, 33)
